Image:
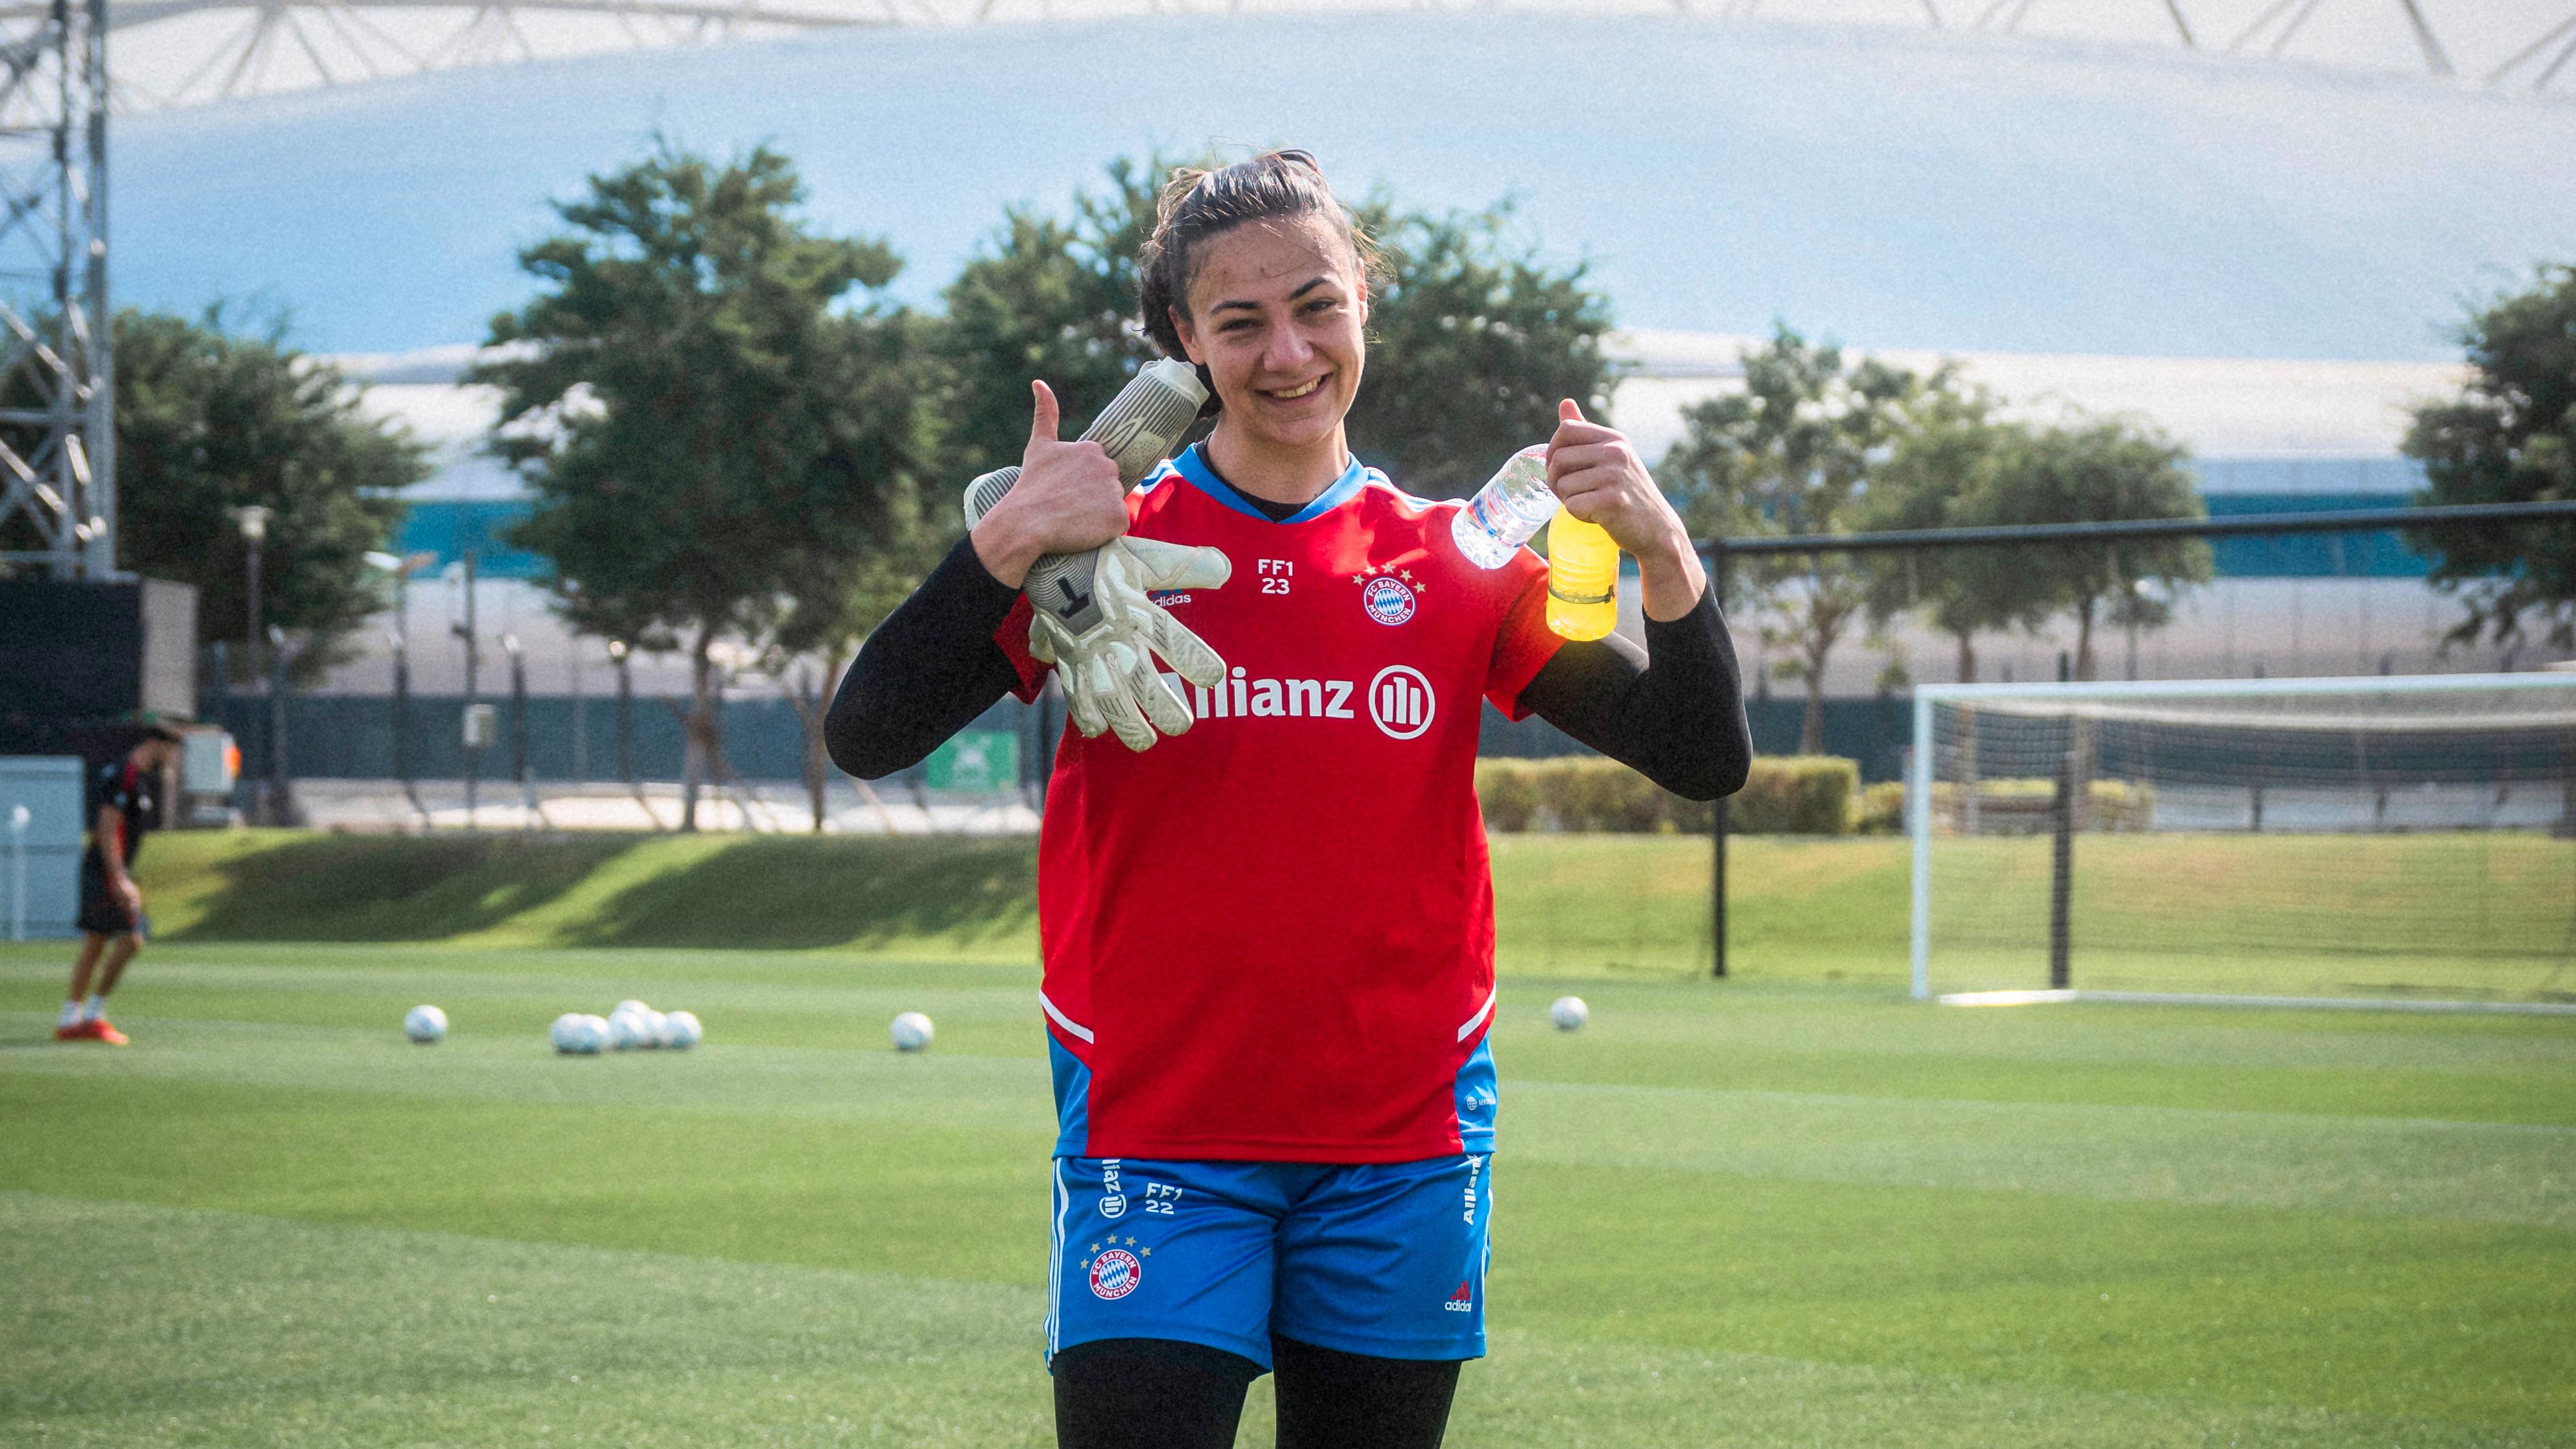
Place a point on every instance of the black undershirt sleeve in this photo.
(926, 672)
(1674, 712)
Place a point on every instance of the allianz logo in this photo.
(1399, 699)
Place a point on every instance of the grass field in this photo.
(2482, 916)
(1763, 1212)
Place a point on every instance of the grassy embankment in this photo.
(2450, 914)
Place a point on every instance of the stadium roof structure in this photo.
(193, 51)
(2007, 176)
(1892, 188)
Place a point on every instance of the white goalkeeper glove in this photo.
(1107, 660)
(1093, 621)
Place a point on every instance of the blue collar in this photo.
(1192, 464)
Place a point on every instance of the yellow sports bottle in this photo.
(1582, 578)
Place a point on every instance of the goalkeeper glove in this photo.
(1093, 620)
(1110, 682)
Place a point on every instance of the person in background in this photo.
(111, 921)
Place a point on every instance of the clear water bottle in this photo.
(1507, 512)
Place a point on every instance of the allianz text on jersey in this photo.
(1399, 699)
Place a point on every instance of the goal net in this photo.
(2366, 839)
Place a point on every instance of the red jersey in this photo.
(1272, 938)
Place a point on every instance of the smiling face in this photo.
(1275, 311)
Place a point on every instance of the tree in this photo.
(1928, 481)
(814, 645)
(1472, 340)
(715, 443)
(2510, 437)
(1794, 453)
(209, 420)
(2095, 471)
(1045, 298)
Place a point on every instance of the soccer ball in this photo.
(628, 1030)
(657, 1029)
(629, 1004)
(1569, 1013)
(425, 1024)
(683, 1030)
(911, 1032)
(576, 1035)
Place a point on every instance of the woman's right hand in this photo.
(1067, 500)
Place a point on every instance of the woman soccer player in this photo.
(1268, 941)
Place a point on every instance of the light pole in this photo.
(253, 519)
(281, 804)
(617, 651)
(399, 640)
(519, 731)
(473, 658)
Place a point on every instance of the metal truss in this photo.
(57, 444)
(237, 48)
(2272, 30)
(252, 47)
(259, 47)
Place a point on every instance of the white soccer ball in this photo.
(628, 1030)
(911, 1032)
(629, 1004)
(683, 1030)
(1569, 1013)
(425, 1024)
(576, 1035)
(657, 1028)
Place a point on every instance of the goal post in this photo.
(2389, 838)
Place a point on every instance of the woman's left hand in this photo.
(1597, 472)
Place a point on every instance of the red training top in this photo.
(1272, 938)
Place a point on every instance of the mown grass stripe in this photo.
(241, 1327)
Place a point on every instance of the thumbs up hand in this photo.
(1067, 499)
(1596, 471)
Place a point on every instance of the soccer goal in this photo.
(2376, 841)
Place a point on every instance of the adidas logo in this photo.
(1462, 1301)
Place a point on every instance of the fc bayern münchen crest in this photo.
(1115, 1274)
(1387, 600)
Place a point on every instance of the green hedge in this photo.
(2025, 806)
(2009, 807)
(1783, 795)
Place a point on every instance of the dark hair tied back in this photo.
(1199, 204)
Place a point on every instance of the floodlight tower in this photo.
(57, 382)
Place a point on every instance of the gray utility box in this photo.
(40, 863)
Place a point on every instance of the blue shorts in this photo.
(1386, 1259)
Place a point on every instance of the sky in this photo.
(1890, 187)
